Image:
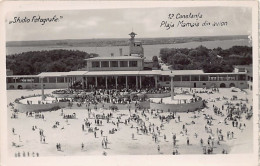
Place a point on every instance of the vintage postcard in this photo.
(115, 82)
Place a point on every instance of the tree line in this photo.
(209, 60)
(35, 62)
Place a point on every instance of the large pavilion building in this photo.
(130, 72)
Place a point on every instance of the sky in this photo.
(118, 23)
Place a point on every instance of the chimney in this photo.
(120, 51)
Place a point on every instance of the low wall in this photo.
(39, 107)
(144, 104)
(177, 107)
(64, 95)
(158, 95)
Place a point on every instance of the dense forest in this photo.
(209, 60)
(35, 62)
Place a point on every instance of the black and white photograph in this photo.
(129, 79)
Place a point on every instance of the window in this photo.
(194, 78)
(10, 80)
(222, 78)
(241, 77)
(203, 78)
(95, 64)
(36, 80)
(213, 78)
(177, 78)
(114, 63)
(132, 63)
(104, 63)
(167, 78)
(60, 79)
(52, 79)
(185, 78)
(123, 63)
(45, 80)
(231, 78)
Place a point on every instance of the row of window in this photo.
(161, 78)
(203, 78)
(36, 80)
(98, 64)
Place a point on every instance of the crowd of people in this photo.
(103, 121)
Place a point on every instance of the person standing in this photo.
(82, 146)
(188, 141)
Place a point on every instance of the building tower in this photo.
(136, 48)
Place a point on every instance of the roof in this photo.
(125, 73)
(114, 58)
(132, 33)
(79, 73)
(185, 72)
(111, 73)
(52, 74)
(243, 66)
(150, 72)
(24, 76)
(148, 60)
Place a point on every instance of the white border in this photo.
(242, 159)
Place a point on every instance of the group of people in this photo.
(153, 123)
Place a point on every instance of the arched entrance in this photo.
(232, 85)
(222, 85)
(19, 87)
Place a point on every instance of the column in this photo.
(42, 88)
(181, 78)
(106, 82)
(96, 80)
(56, 79)
(126, 82)
(83, 83)
(172, 89)
(136, 82)
(116, 82)
(140, 82)
(86, 82)
(155, 80)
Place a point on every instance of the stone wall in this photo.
(158, 95)
(177, 107)
(39, 107)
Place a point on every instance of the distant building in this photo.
(249, 70)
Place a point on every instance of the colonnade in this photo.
(84, 79)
